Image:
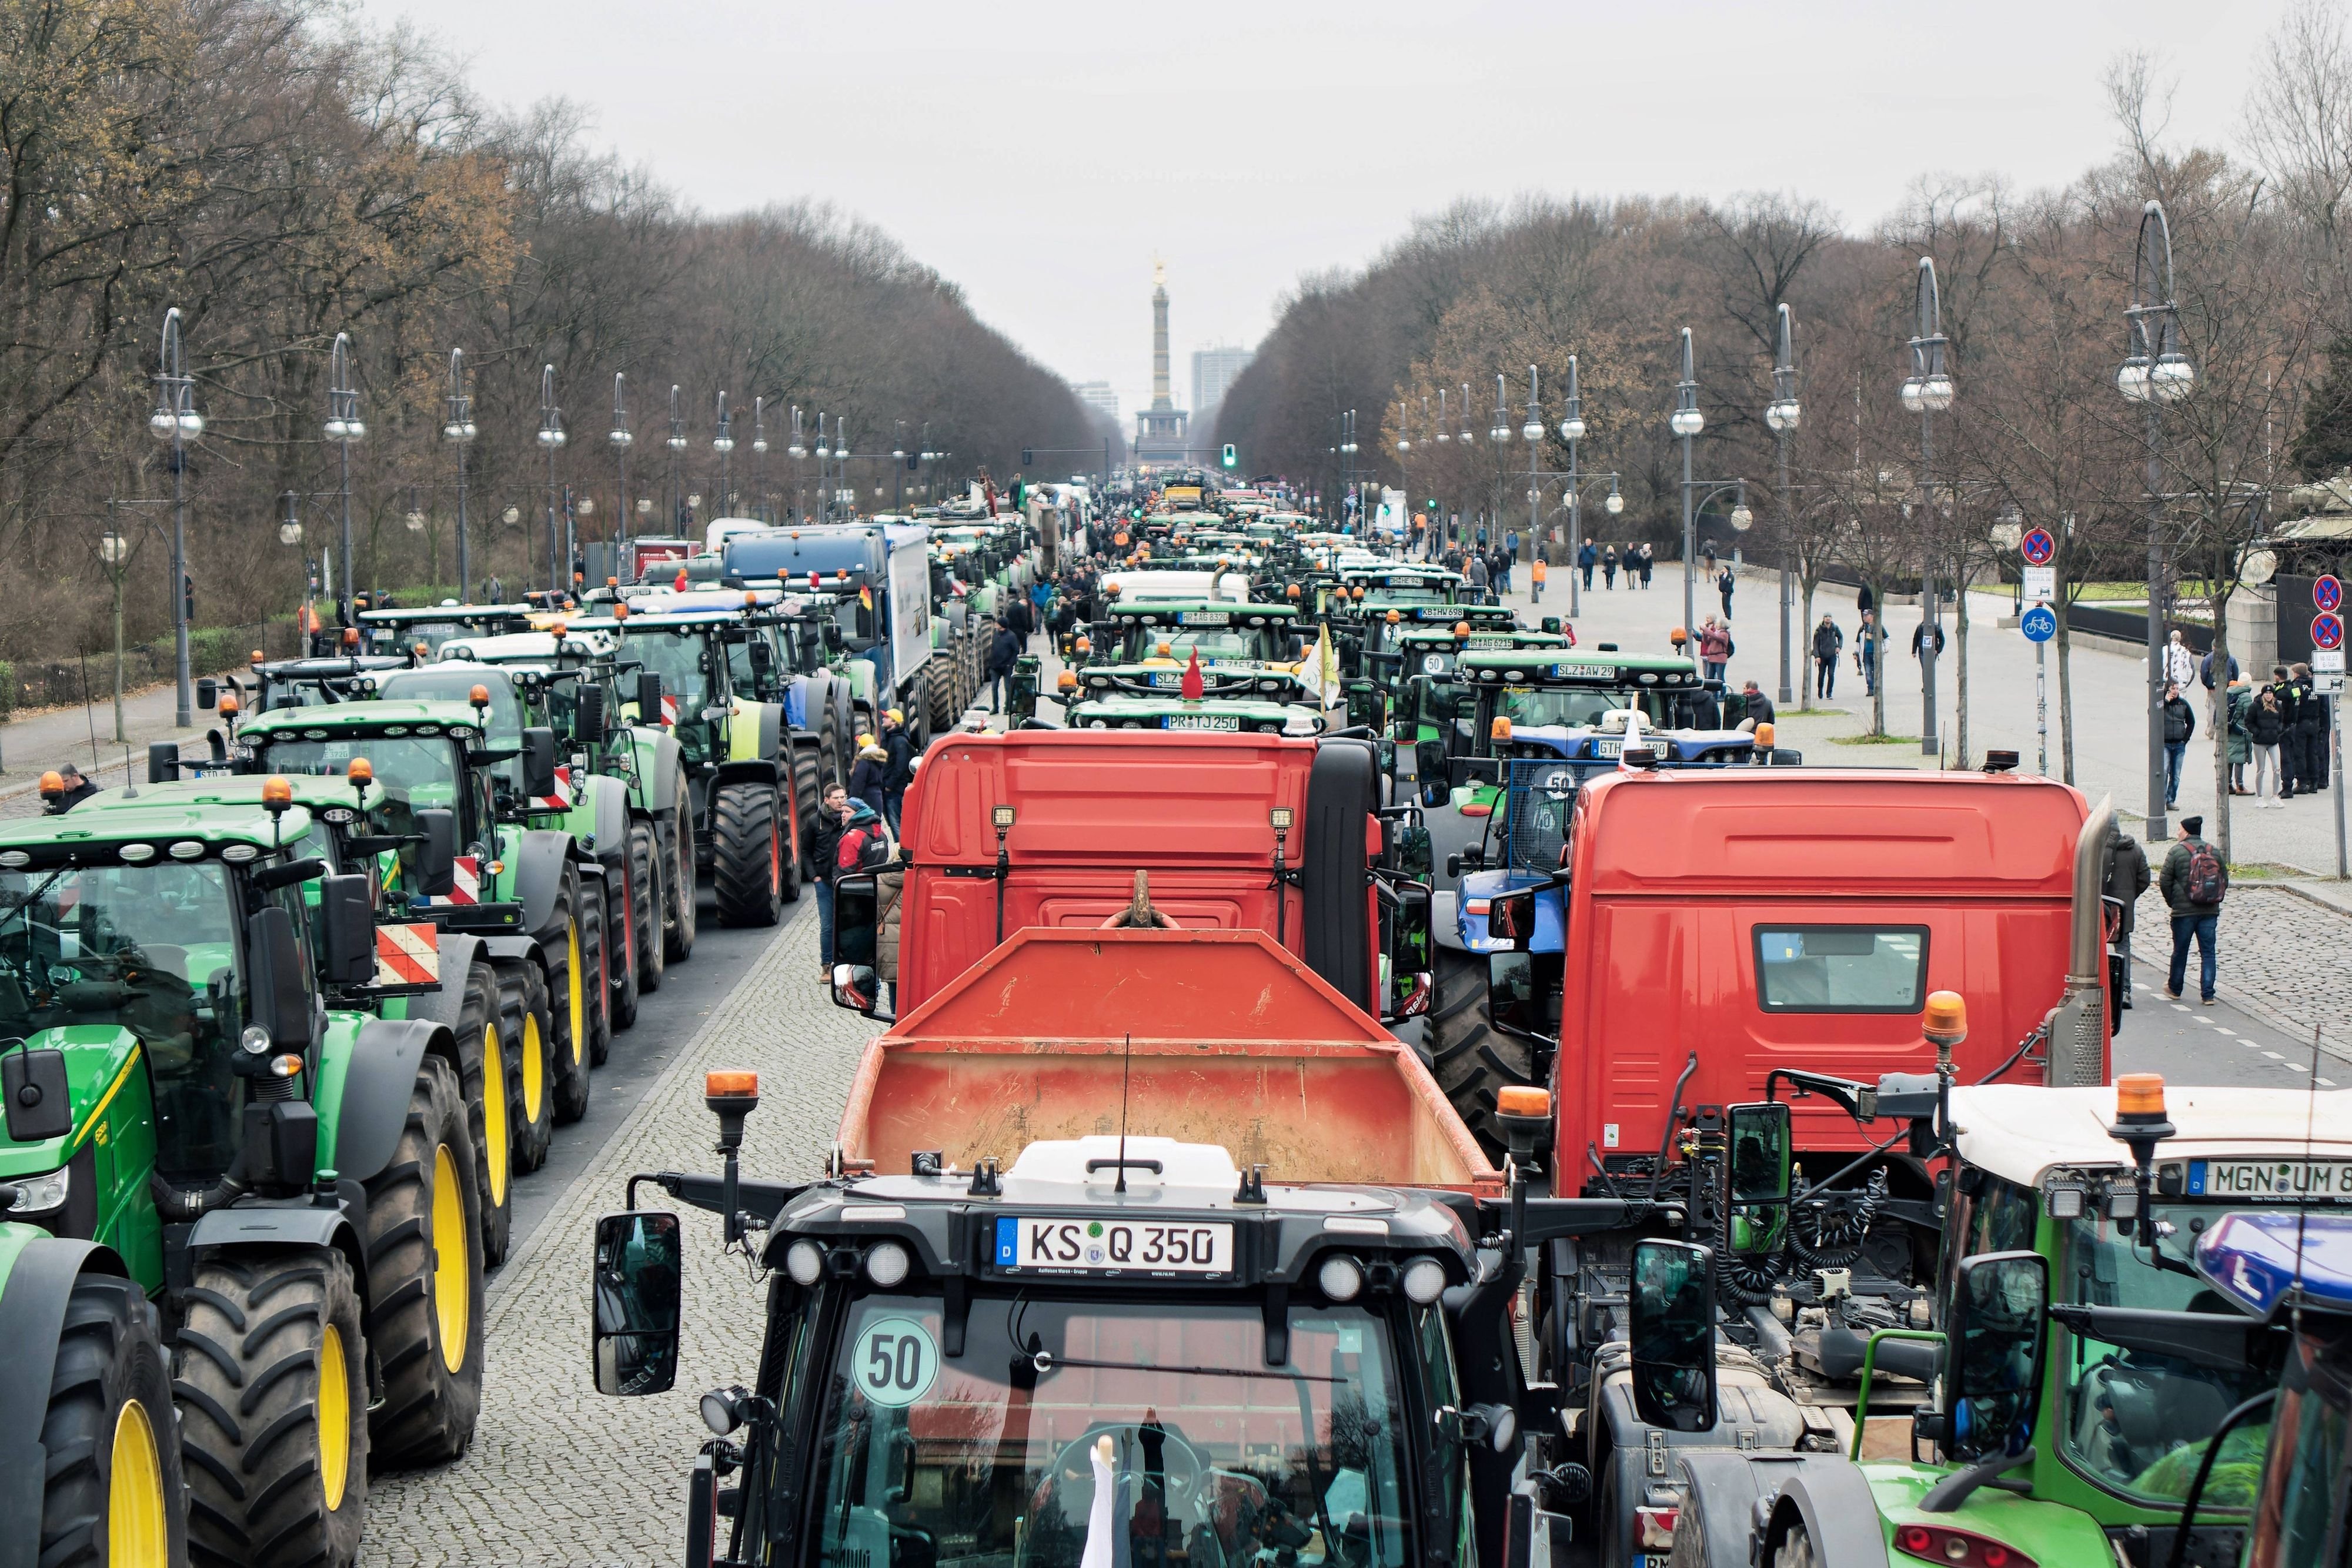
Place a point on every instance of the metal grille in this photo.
(1542, 794)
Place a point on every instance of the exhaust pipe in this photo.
(2078, 1024)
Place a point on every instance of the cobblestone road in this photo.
(2283, 957)
(559, 1474)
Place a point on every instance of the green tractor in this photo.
(241, 1264)
(536, 897)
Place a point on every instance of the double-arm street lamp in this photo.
(621, 438)
(343, 428)
(176, 422)
(1687, 421)
(796, 451)
(2154, 373)
(723, 443)
(552, 437)
(1782, 416)
(456, 429)
(760, 458)
(1928, 391)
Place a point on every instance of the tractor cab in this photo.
(1208, 716)
(400, 631)
(1238, 637)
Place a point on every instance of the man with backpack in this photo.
(2194, 881)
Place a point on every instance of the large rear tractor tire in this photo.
(425, 1279)
(483, 1059)
(828, 750)
(597, 980)
(272, 1388)
(808, 796)
(1473, 1058)
(620, 960)
(112, 1489)
(747, 861)
(939, 689)
(530, 1030)
(678, 914)
(573, 1027)
(646, 894)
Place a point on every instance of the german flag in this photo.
(865, 596)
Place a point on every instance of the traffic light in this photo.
(1230, 458)
(188, 599)
(1028, 455)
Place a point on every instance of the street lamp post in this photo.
(551, 436)
(343, 428)
(898, 468)
(1571, 430)
(723, 443)
(1404, 450)
(176, 420)
(1687, 421)
(1928, 392)
(1782, 416)
(2155, 373)
(676, 447)
(796, 452)
(760, 456)
(1533, 430)
(114, 550)
(621, 439)
(824, 470)
(458, 430)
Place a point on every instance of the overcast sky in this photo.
(1041, 153)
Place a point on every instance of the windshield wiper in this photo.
(1046, 1360)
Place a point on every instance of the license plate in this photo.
(1608, 748)
(1207, 618)
(1651, 1559)
(1202, 721)
(2273, 1180)
(1150, 1249)
(1171, 679)
(1487, 644)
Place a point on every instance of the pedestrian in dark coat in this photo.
(1829, 642)
(1003, 649)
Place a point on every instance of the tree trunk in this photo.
(2220, 721)
(1805, 648)
(1960, 640)
(2065, 694)
(1878, 659)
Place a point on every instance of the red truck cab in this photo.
(1723, 924)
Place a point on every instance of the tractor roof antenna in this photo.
(1126, 1070)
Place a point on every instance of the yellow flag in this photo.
(1326, 666)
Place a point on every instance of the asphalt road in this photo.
(2221, 1044)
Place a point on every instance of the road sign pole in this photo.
(2336, 780)
(2042, 711)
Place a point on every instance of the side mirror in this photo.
(539, 761)
(347, 927)
(1413, 854)
(649, 697)
(1511, 919)
(637, 1291)
(436, 857)
(162, 761)
(281, 1002)
(1672, 1310)
(591, 720)
(1757, 1178)
(763, 656)
(1997, 1333)
(832, 639)
(858, 989)
(1412, 961)
(856, 916)
(35, 1096)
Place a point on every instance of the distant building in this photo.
(1099, 396)
(1213, 371)
(1159, 430)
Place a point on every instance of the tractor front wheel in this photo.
(646, 894)
(620, 961)
(747, 845)
(111, 1490)
(529, 1028)
(425, 1277)
(483, 1061)
(573, 1028)
(273, 1397)
(677, 882)
(1473, 1058)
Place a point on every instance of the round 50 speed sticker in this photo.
(894, 1362)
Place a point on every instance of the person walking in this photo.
(2239, 699)
(2179, 664)
(1003, 649)
(1536, 579)
(1477, 569)
(2128, 877)
(2264, 727)
(1865, 601)
(2290, 707)
(2194, 881)
(899, 769)
(866, 775)
(820, 842)
(1713, 649)
(1828, 643)
(1758, 707)
(1649, 562)
(2179, 724)
(2206, 666)
(1587, 557)
(1723, 584)
(1920, 640)
(1865, 652)
(1608, 567)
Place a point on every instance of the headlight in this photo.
(35, 1194)
(804, 1262)
(1339, 1279)
(886, 1263)
(1425, 1281)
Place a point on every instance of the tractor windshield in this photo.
(675, 653)
(1576, 707)
(2138, 1423)
(150, 948)
(2307, 1491)
(1159, 1431)
(1215, 644)
(412, 773)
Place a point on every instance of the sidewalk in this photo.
(34, 742)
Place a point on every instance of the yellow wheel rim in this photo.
(534, 1070)
(578, 1019)
(334, 1418)
(451, 1287)
(136, 1534)
(494, 1112)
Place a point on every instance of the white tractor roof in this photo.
(526, 646)
(2018, 1131)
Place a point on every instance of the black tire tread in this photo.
(574, 1036)
(109, 1353)
(1473, 1058)
(745, 856)
(479, 1009)
(645, 872)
